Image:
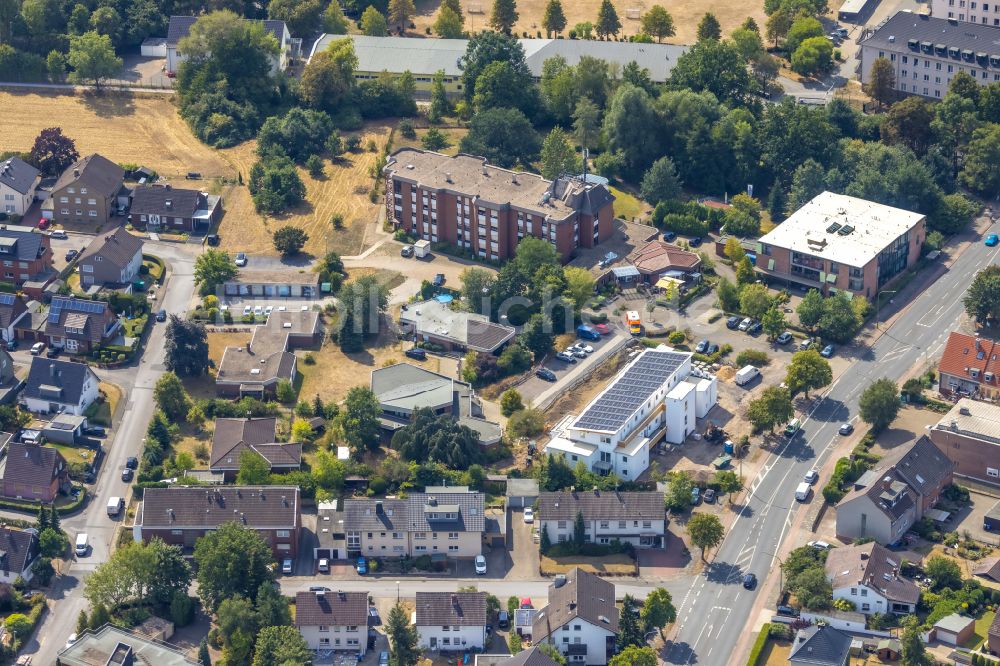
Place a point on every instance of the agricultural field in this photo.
(686, 13)
(146, 130)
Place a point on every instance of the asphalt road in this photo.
(716, 610)
(137, 383)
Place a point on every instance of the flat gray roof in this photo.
(904, 25)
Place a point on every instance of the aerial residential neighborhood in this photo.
(504, 333)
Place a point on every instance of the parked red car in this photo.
(171, 75)
(44, 223)
(603, 329)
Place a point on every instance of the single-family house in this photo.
(26, 255)
(18, 181)
(820, 645)
(88, 192)
(180, 26)
(54, 385)
(988, 568)
(180, 515)
(580, 620)
(12, 309)
(886, 501)
(993, 636)
(403, 388)
(435, 322)
(335, 621)
(18, 552)
(111, 259)
(441, 521)
(254, 436)
(451, 621)
(868, 576)
(80, 325)
(637, 518)
(532, 656)
(168, 208)
(256, 368)
(114, 646)
(34, 472)
(970, 366)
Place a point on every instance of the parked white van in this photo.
(803, 491)
(115, 506)
(81, 543)
(746, 374)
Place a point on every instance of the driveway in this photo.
(522, 551)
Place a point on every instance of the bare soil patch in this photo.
(616, 565)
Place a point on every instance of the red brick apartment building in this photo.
(487, 210)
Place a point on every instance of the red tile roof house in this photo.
(234, 437)
(335, 621)
(970, 366)
(173, 209)
(112, 259)
(181, 515)
(80, 326)
(34, 472)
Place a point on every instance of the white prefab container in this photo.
(421, 248)
(746, 374)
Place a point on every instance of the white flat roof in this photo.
(569, 446)
(872, 227)
(680, 391)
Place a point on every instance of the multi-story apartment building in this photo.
(970, 436)
(487, 210)
(638, 518)
(440, 521)
(88, 191)
(25, 255)
(180, 515)
(335, 621)
(970, 11)
(841, 243)
(927, 52)
(655, 397)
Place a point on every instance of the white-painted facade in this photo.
(87, 396)
(340, 639)
(452, 638)
(576, 633)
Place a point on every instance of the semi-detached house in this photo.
(18, 181)
(89, 191)
(451, 620)
(637, 518)
(868, 576)
(440, 521)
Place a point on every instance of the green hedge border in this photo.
(32, 507)
(759, 644)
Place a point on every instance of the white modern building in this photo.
(970, 11)
(451, 621)
(638, 518)
(657, 396)
(927, 52)
(18, 181)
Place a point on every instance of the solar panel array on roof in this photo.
(610, 411)
(73, 305)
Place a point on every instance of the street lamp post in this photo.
(781, 585)
(397, 592)
(878, 302)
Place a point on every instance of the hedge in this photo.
(32, 507)
(759, 644)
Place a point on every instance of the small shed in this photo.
(954, 629)
(991, 521)
(156, 628)
(521, 492)
(888, 649)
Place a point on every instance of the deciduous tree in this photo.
(53, 151)
(810, 309)
(254, 469)
(879, 403)
(328, 78)
(705, 531)
(660, 182)
(171, 397)
(278, 646)
(773, 407)
(359, 419)
(289, 240)
(373, 22)
(92, 57)
(448, 24)
(982, 300)
(658, 610)
(881, 84)
(658, 23)
(504, 136)
(558, 156)
(232, 560)
(808, 370)
(186, 346)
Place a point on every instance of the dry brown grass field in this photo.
(687, 13)
(147, 130)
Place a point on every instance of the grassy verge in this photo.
(626, 206)
(620, 564)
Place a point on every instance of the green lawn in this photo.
(982, 629)
(626, 205)
(132, 328)
(73, 454)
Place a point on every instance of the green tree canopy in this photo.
(705, 531)
(982, 300)
(373, 22)
(660, 182)
(808, 370)
(280, 646)
(328, 78)
(92, 57)
(359, 419)
(438, 439)
(608, 24)
(403, 638)
(504, 136)
(709, 28)
(558, 156)
(554, 20)
(773, 407)
(186, 346)
(658, 23)
(503, 16)
(879, 403)
(232, 561)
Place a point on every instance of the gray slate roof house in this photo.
(601, 505)
(68, 386)
(180, 26)
(111, 259)
(410, 514)
(256, 368)
(988, 568)
(18, 175)
(873, 566)
(455, 609)
(12, 309)
(331, 609)
(34, 472)
(404, 388)
(80, 325)
(583, 595)
(820, 646)
(233, 437)
(22, 243)
(18, 550)
(173, 208)
(533, 656)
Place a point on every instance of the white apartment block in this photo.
(657, 396)
(927, 52)
(440, 521)
(969, 11)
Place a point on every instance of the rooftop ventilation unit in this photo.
(833, 228)
(845, 230)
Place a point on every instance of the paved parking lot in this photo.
(534, 387)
